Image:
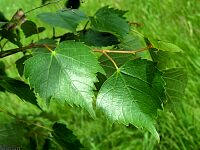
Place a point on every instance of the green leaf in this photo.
(30, 28)
(176, 81)
(107, 20)
(165, 46)
(68, 19)
(132, 41)
(65, 137)
(118, 12)
(165, 59)
(20, 64)
(99, 39)
(21, 89)
(66, 74)
(133, 94)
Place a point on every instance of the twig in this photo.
(49, 47)
(123, 51)
(110, 58)
(42, 6)
(21, 49)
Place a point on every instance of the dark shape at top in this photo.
(73, 4)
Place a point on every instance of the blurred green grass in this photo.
(173, 21)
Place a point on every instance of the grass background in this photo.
(169, 20)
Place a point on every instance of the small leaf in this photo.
(165, 46)
(65, 137)
(68, 19)
(131, 41)
(21, 89)
(99, 39)
(66, 74)
(133, 94)
(107, 20)
(20, 64)
(30, 28)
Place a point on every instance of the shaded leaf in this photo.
(47, 144)
(66, 74)
(68, 19)
(120, 59)
(32, 143)
(2, 69)
(2, 24)
(99, 39)
(3, 20)
(69, 36)
(65, 137)
(107, 20)
(176, 81)
(20, 64)
(101, 79)
(11, 36)
(165, 59)
(48, 42)
(30, 28)
(21, 89)
(133, 94)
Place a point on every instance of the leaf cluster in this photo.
(105, 65)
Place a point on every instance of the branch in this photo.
(123, 51)
(21, 49)
(49, 3)
(34, 45)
